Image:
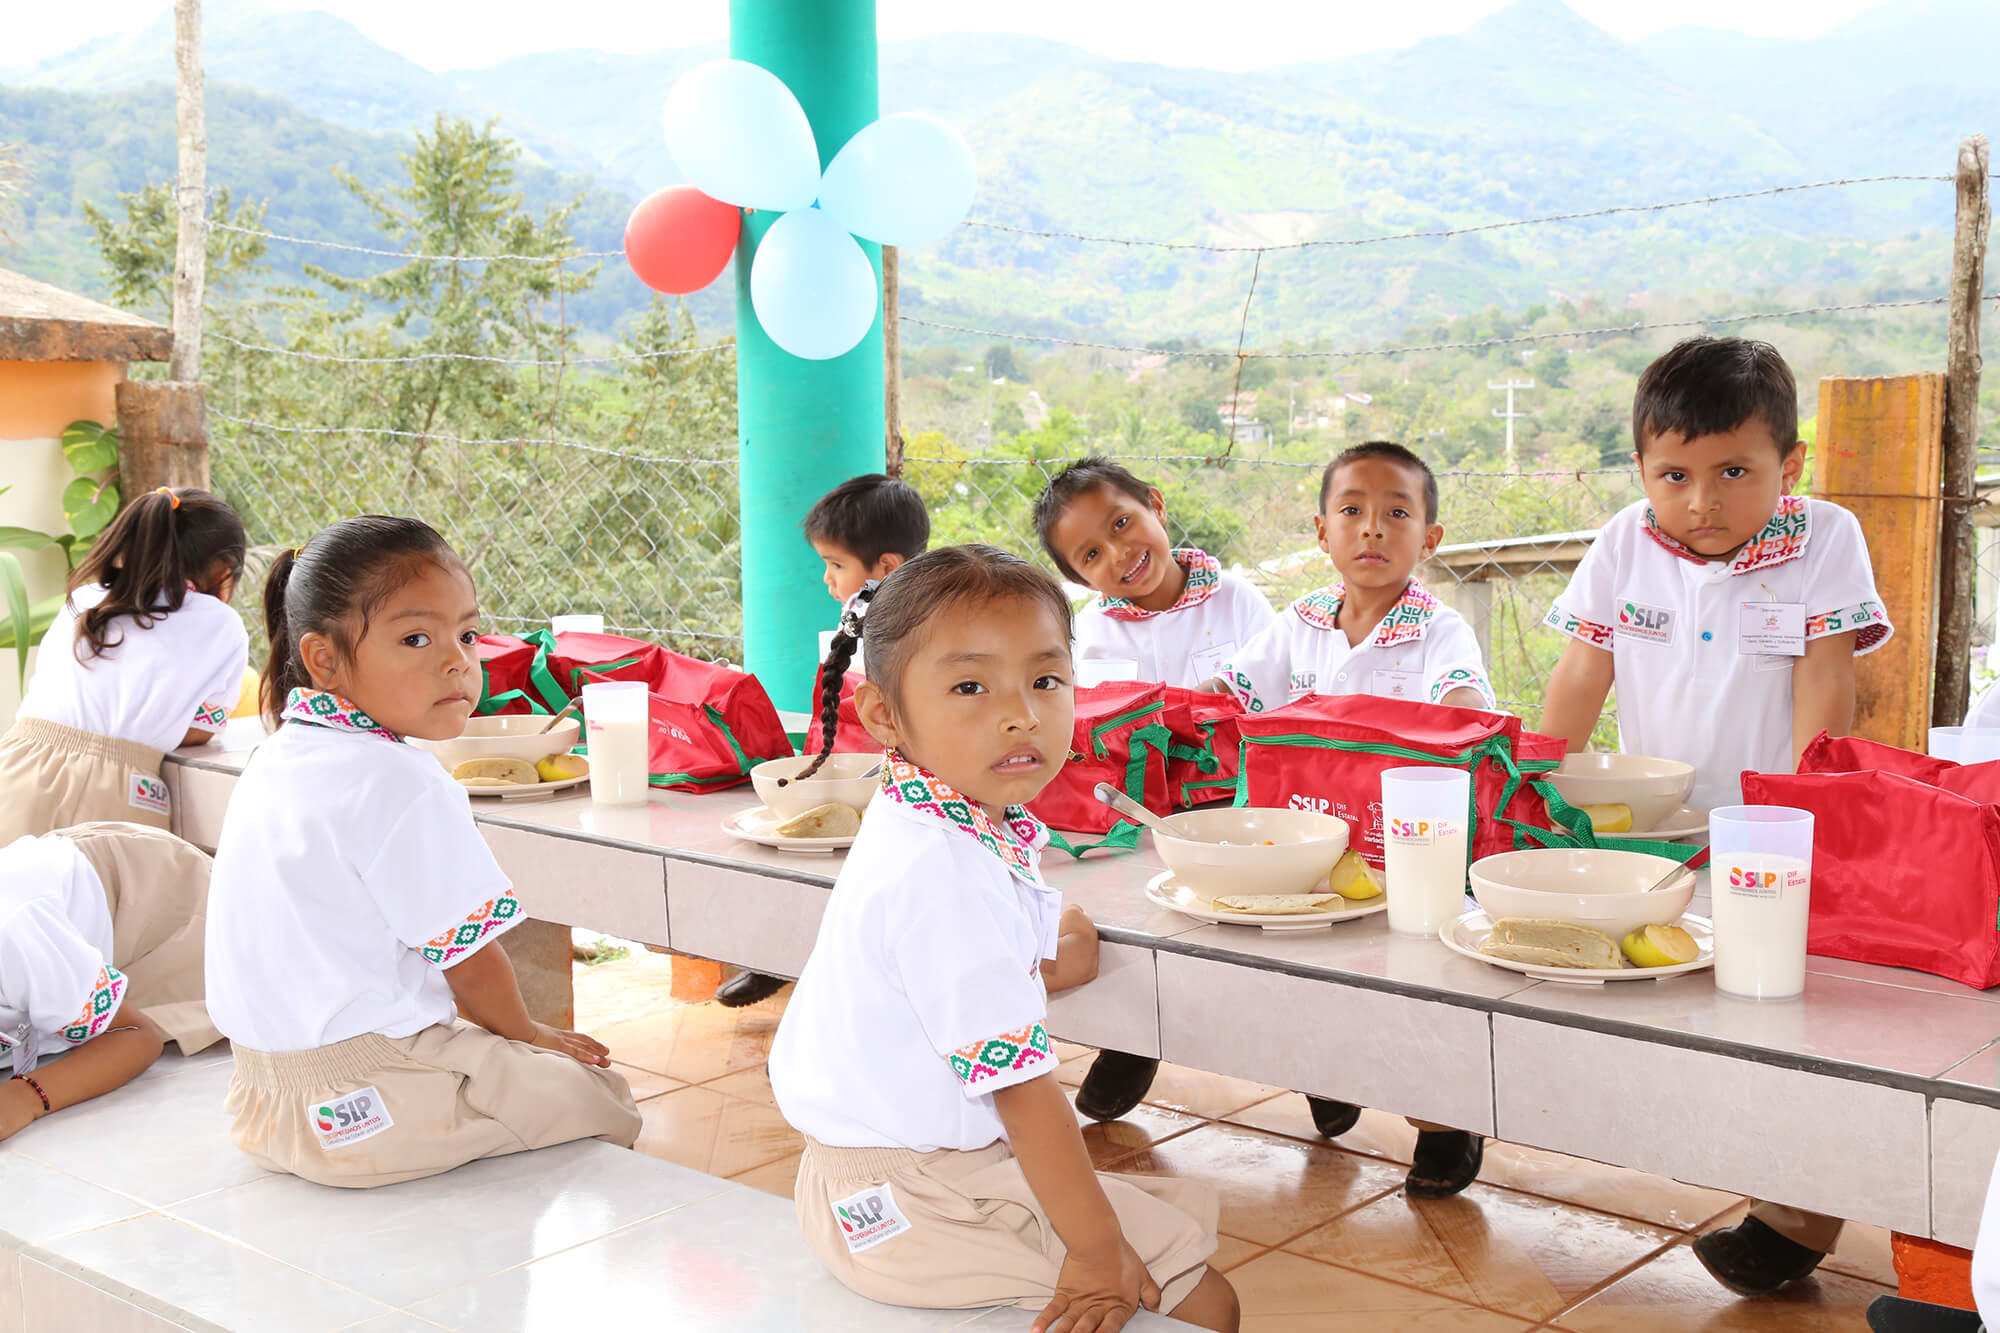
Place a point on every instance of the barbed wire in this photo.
(1610, 330)
(656, 630)
(1233, 460)
(441, 438)
(406, 255)
(729, 345)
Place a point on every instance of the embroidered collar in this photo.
(1406, 620)
(1017, 843)
(1204, 576)
(324, 708)
(1782, 539)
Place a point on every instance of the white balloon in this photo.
(903, 180)
(739, 135)
(812, 286)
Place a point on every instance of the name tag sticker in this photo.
(1208, 662)
(342, 1122)
(1397, 685)
(1773, 628)
(869, 1218)
(147, 793)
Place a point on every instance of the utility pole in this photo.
(1510, 416)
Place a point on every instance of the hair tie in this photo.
(297, 553)
(856, 609)
(168, 491)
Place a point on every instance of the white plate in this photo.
(1687, 822)
(760, 826)
(1168, 892)
(1466, 934)
(525, 792)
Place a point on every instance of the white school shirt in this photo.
(181, 673)
(1422, 650)
(1670, 620)
(348, 877)
(923, 996)
(1187, 644)
(57, 986)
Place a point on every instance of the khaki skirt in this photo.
(52, 777)
(157, 889)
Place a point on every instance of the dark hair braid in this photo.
(832, 673)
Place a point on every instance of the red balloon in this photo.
(679, 240)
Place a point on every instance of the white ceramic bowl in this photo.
(839, 782)
(1654, 788)
(510, 737)
(1595, 887)
(1305, 847)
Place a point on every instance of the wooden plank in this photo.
(1959, 556)
(1881, 454)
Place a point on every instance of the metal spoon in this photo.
(1687, 867)
(557, 716)
(1131, 809)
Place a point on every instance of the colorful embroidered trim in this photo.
(1577, 627)
(1461, 678)
(1204, 576)
(1780, 540)
(489, 918)
(1015, 845)
(1406, 620)
(323, 708)
(1010, 1052)
(105, 994)
(1240, 685)
(1869, 621)
(211, 717)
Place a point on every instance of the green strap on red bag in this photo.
(516, 676)
(1120, 737)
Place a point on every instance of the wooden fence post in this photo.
(162, 436)
(892, 362)
(1879, 453)
(1957, 578)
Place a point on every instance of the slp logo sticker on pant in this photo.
(147, 794)
(869, 1218)
(348, 1120)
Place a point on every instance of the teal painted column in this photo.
(802, 427)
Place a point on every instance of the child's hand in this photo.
(578, 1047)
(19, 1108)
(1076, 952)
(1099, 1296)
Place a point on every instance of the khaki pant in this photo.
(157, 889)
(52, 777)
(376, 1110)
(976, 1233)
(1815, 1231)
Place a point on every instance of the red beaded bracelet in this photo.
(23, 1078)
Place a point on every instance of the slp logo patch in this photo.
(869, 1218)
(1303, 683)
(147, 794)
(344, 1121)
(1647, 624)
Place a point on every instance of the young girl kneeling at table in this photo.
(943, 1166)
(145, 656)
(354, 904)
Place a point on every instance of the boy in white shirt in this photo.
(1729, 612)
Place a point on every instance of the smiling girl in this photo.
(353, 900)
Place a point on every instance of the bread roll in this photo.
(1552, 944)
(823, 821)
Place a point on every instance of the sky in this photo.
(460, 34)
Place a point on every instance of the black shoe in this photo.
(1115, 1084)
(1893, 1314)
(1447, 1160)
(747, 988)
(1333, 1118)
(1752, 1260)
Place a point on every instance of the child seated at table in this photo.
(100, 962)
(862, 529)
(1376, 631)
(1729, 613)
(943, 1167)
(1172, 611)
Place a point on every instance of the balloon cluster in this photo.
(743, 142)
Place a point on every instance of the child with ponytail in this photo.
(354, 903)
(145, 656)
(943, 1166)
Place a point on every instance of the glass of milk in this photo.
(1760, 877)
(577, 624)
(1104, 671)
(1425, 825)
(616, 729)
(1977, 745)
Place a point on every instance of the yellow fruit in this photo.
(561, 768)
(1660, 946)
(1609, 818)
(1354, 879)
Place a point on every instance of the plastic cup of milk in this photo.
(616, 728)
(1760, 880)
(1104, 671)
(1425, 827)
(1944, 742)
(1978, 745)
(577, 624)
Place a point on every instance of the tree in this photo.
(1201, 414)
(1000, 363)
(138, 251)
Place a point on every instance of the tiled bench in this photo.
(135, 1214)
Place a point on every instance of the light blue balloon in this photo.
(904, 180)
(739, 135)
(812, 286)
